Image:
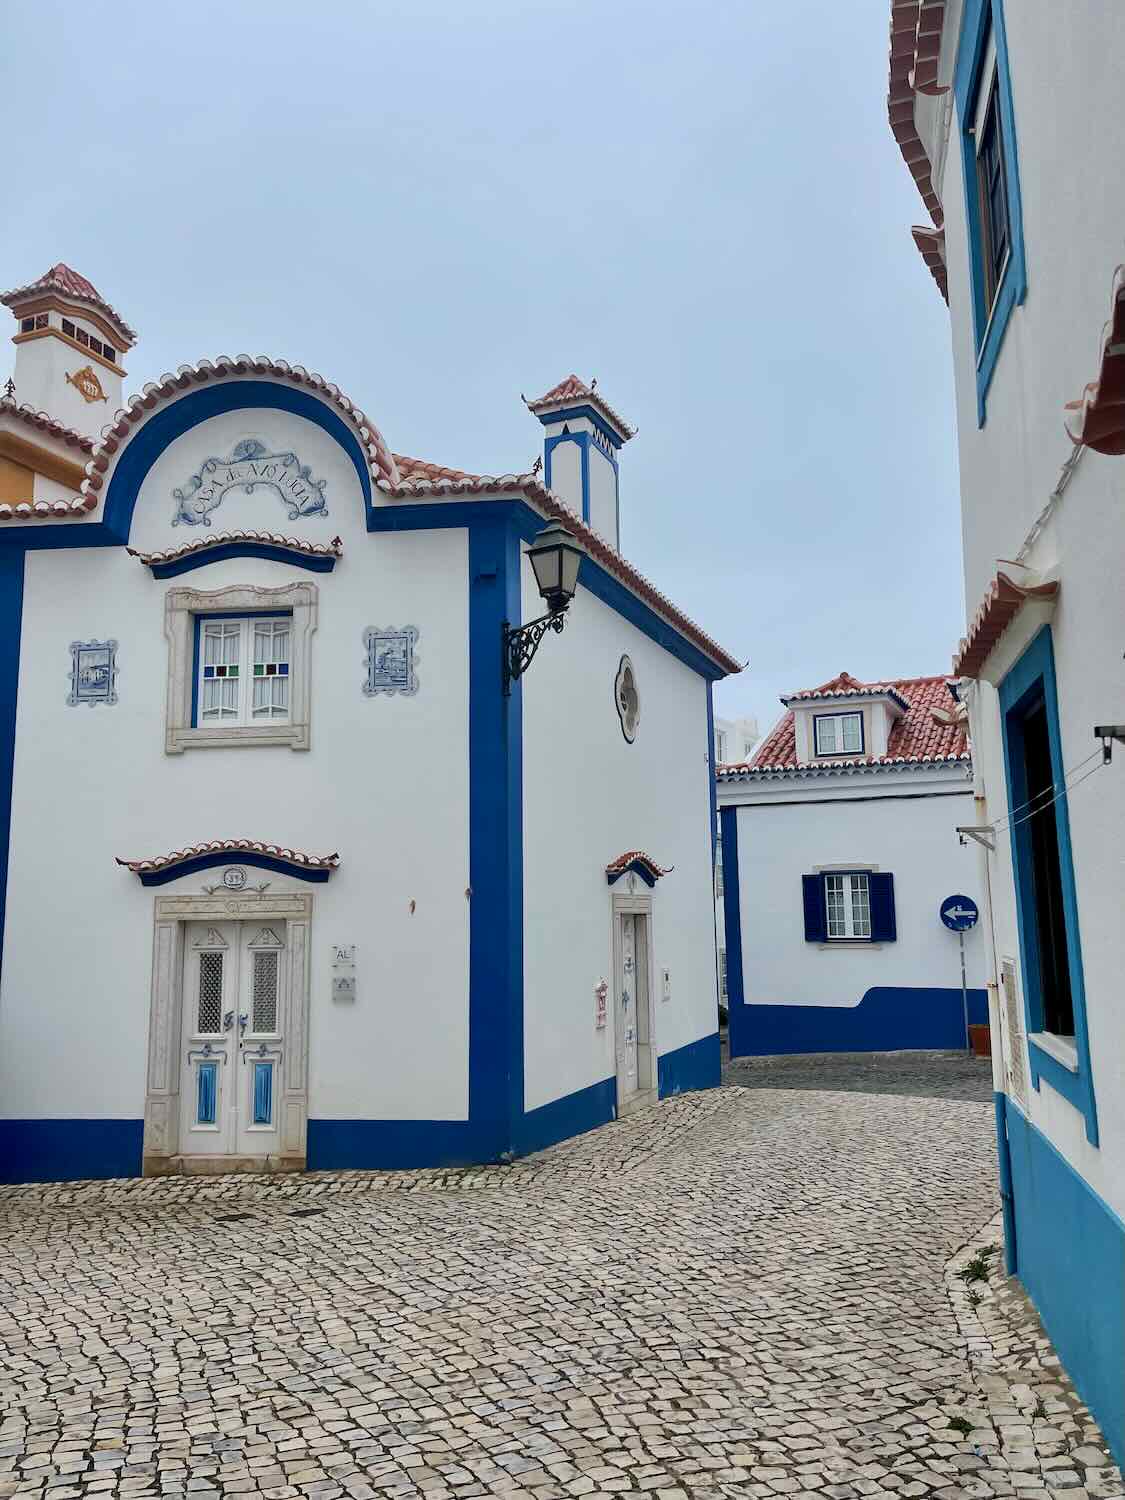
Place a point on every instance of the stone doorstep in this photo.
(198, 1165)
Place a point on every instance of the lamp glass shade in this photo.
(555, 558)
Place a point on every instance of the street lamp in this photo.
(555, 560)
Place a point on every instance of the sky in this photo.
(444, 203)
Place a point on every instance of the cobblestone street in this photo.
(745, 1292)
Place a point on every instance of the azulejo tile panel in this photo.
(391, 660)
(93, 673)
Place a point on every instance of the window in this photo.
(993, 189)
(110, 353)
(718, 867)
(723, 975)
(839, 734)
(1046, 900)
(849, 906)
(27, 325)
(242, 670)
(41, 320)
(997, 266)
(68, 327)
(239, 665)
(721, 746)
(82, 336)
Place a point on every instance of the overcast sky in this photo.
(442, 203)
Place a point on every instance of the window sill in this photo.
(848, 943)
(296, 736)
(1061, 1048)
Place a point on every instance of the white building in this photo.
(838, 852)
(1009, 117)
(294, 876)
(734, 743)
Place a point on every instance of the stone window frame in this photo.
(181, 606)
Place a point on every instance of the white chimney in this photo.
(582, 438)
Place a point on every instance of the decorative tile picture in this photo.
(627, 699)
(391, 660)
(250, 464)
(93, 672)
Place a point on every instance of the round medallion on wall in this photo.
(234, 877)
(627, 699)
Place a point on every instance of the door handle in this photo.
(228, 1020)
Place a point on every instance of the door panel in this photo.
(627, 1009)
(210, 990)
(262, 996)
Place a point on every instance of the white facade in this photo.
(409, 973)
(1042, 524)
(796, 821)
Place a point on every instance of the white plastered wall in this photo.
(912, 840)
(603, 495)
(385, 784)
(588, 797)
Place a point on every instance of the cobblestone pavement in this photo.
(930, 1075)
(745, 1292)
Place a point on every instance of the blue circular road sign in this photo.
(959, 913)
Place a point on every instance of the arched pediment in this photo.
(171, 407)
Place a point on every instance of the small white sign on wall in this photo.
(665, 986)
(343, 973)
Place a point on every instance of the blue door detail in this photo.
(263, 1093)
(206, 1093)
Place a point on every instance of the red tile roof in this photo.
(334, 548)
(1098, 419)
(1000, 605)
(572, 390)
(231, 846)
(916, 33)
(619, 865)
(844, 685)
(918, 737)
(10, 407)
(61, 278)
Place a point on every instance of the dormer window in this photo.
(839, 734)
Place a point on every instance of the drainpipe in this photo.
(995, 1018)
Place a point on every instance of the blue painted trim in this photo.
(694, 1066)
(634, 867)
(496, 1011)
(206, 1093)
(549, 419)
(69, 1150)
(732, 922)
(291, 555)
(582, 441)
(1071, 1254)
(602, 584)
(713, 784)
(390, 1145)
(1007, 1203)
(263, 1093)
(980, 17)
(234, 857)
(11, 625)
(571, 1115)
(885, 1020)
(1033, 676)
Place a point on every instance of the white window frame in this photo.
(181, 606)
(850, 882)
(245, 628)
(838, 719)
(723, 975)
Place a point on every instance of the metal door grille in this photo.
(264, 997)
(210, 1013)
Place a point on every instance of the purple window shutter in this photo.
(881, 889)
(816, 917)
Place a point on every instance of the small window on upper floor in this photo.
(242, 669)
(721, 746)
(68, 328)
(839, 734)
(27, 325)
(992, 187)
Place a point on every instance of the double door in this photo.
(234, 1005)
(633, 1018)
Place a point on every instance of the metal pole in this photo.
(964, 993)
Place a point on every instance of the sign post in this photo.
(961, 914)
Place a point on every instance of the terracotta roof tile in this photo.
(10, 407)
(1001, 603)
(334, 548)
(231, 846)
(915, 50)
(1098, 416)
(62, 279)
(916, 737)
(572, 390)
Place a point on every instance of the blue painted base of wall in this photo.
(69, 1150)
(885, 1020)
(396, 1145)
(1070, 1255)
(573, 1114)
(696, 1066)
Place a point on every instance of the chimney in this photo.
(581, 440)
(69, 346)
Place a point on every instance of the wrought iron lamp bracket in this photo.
(521, 642)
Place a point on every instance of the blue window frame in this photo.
(982, 88)
(1046, 902)
(849, 906)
